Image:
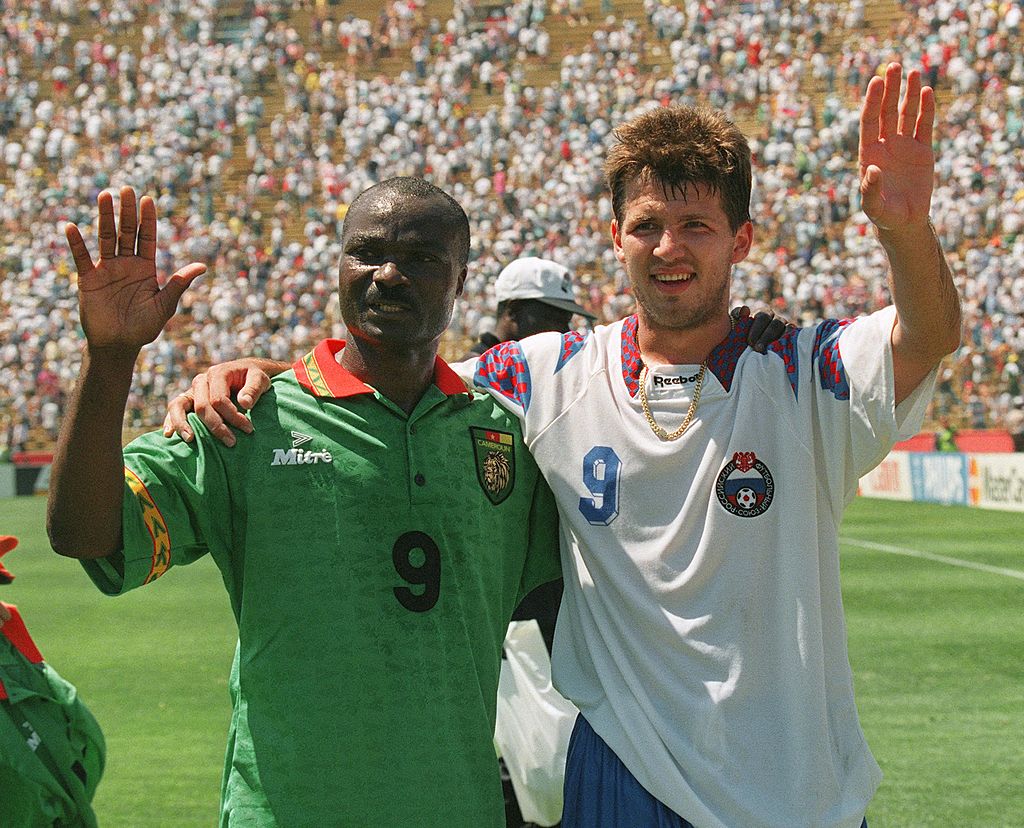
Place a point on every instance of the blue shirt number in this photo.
(601, 477)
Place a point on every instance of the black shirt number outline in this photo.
(426, 575)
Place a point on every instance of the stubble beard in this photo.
(679, 316)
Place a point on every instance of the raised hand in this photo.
(121, 303)
(896, 159)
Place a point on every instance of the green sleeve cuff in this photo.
(106, 573)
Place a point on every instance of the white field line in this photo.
(931, 556)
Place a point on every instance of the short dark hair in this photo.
(451, 213)
(677, 146)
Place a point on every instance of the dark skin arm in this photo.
(765, 328)
(122, 307)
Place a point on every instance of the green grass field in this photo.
(937, 651)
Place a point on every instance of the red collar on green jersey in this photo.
(19, 637)
(7, 543)
(320, 373)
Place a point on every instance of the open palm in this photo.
(896, 159)
(121, 303)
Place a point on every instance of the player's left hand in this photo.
(765, 327)
(897, 163)
(5, 615)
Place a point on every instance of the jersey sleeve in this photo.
(528, 377)
(542, 561)
(176, 506)
(856, 418)
(504, 372)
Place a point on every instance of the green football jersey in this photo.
(52, 750)
(373, 561)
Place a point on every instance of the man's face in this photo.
(678, 251)
(400, 271)
(534, 317)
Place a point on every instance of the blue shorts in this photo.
(601, 793)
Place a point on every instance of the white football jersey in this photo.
(701, 631)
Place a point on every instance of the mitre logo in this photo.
(296, 456)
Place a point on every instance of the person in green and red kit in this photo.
(52, 750)
(370, 619)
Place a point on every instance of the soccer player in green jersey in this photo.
(374, 535)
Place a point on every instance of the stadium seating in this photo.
(255, 121)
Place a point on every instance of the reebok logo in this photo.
(296, 456)
(666, 382)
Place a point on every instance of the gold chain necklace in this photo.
(657, 429)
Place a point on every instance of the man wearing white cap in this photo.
(534, 295)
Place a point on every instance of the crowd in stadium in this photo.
(254, 144)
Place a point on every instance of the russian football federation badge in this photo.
(495, 462)
(745, 487)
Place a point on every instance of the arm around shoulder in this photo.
(210, 397)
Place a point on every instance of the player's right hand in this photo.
(210, 397)
(121, 303)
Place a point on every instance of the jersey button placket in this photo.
(419, 490)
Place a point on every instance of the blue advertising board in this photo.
(939, 477)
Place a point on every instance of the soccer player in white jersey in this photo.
(701, 484)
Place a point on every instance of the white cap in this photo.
(540, 279)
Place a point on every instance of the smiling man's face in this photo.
(678, 250)
(400, 272)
